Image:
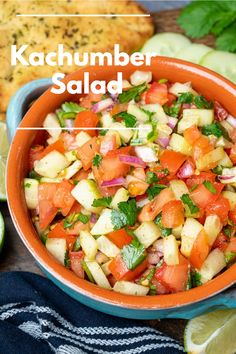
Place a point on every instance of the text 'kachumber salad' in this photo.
(146, 204)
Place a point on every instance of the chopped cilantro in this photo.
(153, 134)
(172, 110)
(77, 245)
(67, 260)
(164, 230)
(34, 175)
(104, 202)
(43, 237)
(129, 119)
(132, 94)
(218, 170)
(72, 107)
(153, 290)
(97, 160)
(154, 190)
(186, 97)
(229, 257)
(212, 129)
(130, 210)
(151, 177)
(148, 113)
(210, 187)
(201, 102)
(227, 230)
(75, 182)
(162, 81)
(73, 218)
(103, 132)
(27, 185)
(188, 201)
(195, 279)
(133, 254)
(118, 219)
(193, 188)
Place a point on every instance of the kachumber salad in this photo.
(146, 204)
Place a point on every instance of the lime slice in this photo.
(2, 231)
(4, 144)
(212, 333)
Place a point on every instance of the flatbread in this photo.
(83, 34)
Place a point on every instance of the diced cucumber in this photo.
(31, 192)
(158, 112)
(125, 133)
(225, 162)
(214, 263)
(51, 180)
(129, 288)
(176, 231)
(71, 155)
(187, 121)
(213, 157)
(104, 224)
(82, 138)
(144, 131)
(166, 44)
(148, 153)
(106, 120)
(107, 247)
(141, 116)
(231, 196)
(57, 247)
(194, 52)
(224, 143)
(105, 268)
(51, 164)
(212, 226)
(88, 244)
(179, 143)
(85, 192)
(139, 77)
(70, 171)
(179, 188)
(178, 88)
(223, 63)
(170, 250)
(98, 275)
(121, 195)
(199, 117)
(189, 234)
(51, 121)
(147, 233)
(163, 130)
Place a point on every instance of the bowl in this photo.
(182, 305)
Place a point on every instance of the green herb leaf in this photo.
(164, 230)
(102, 202)
(193, 188)
(73, 218)
(162, 81)
(195, 279)
(186, 97)
(67, 260)
(153, 290)
(188, 201)
(229, 257)
(202, 103)
(212, 129)
(172, 110)
(97, 160)
(103, 132)
(151, 177)
(226, 41)
(72, 107)
(132, 93)
(227, 230)
(130, 210)
(34, 175)
(210, 187)
(44, 237)
(218, 170)
(77, 245)
(118, 219)
(133, 254)
(154, 190)
(129, 119)
(27, 185)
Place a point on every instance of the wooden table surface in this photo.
(15, 256)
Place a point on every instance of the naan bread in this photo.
(82, 34)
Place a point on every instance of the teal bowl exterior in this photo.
(16, 110)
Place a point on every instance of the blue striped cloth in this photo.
(38, 318)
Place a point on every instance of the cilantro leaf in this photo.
(133, 254)
(164, 230)
(172, 110)
(130, 210)
(105, 202)
(210, 187)
(118, 219)
(70, 221)
(218, 170)
(201, 102)
(226, 41)
(195, 279)
(72, 107)
(129, 119)
(132, 94)
(154, 190)
(103, 132)
(67, 260)
(77, 245)
(151, 177)
(97, 160)
(34, 175)
(212, 129)
(186, 97)
(188, 201)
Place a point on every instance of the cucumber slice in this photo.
(194, 52)
(222, 62)
(166, 44)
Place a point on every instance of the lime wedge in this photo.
(4, 148)
(212, 333)
(2, 231)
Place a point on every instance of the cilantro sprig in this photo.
(133, 254)
(97, 160)
(70, 221)
(154, 190)
(129, 119)
(188, 201)
(210, 187)
(132, 94)
(212, 129)
(102, 202)
(126, 215)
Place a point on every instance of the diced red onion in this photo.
(186, 170)
(220, 112)
(163, 141)
(159, 245)
(114, 182)
(172, 122)
(226, 177)
(132, 160)
(153, 257)
(69, 123)
(102, 105)
(93, 218)
(231, 120)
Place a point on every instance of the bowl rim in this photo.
(68, 278)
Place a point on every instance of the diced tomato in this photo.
(171, 98)
(220, 112)
(203, 197)
(108, 143)
(172, 214)
(34, 155)
(88, 100)
(70, 240)
(232, 215)
(81, 175)
(121, 107)
(58, 231)
(86, 119)
(221, 242)
(174, 277)
(87, 152)
(58, 146)
(192, 134)
(220, 207)
(200, 250)
(231, 248)
(120, 271)
(172, 160)
(232, 154)
(199, 179)
(152, 209)
(76, 208)
(62, 198)
(201, 147)
(157, 93)
(108, 191)
(120, 237)
(160, 288)
(75, 263)
(47, 209)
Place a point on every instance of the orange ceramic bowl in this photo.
(204, 81)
